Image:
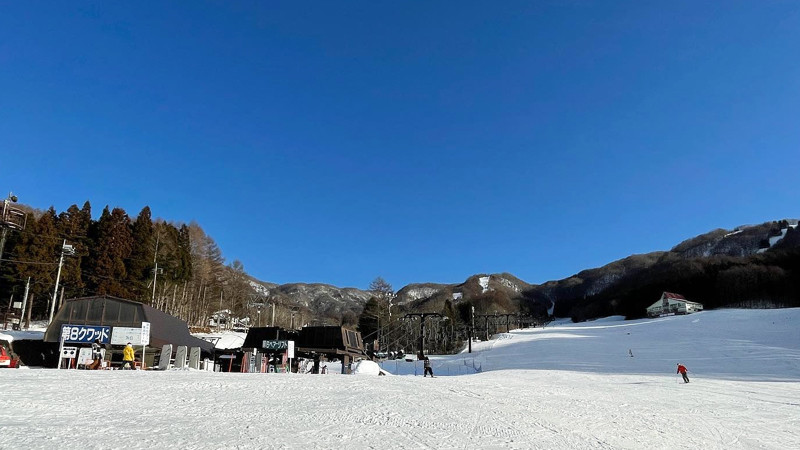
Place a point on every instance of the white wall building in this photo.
(671, 304)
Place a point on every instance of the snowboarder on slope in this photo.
(682, 370)
(428, 369)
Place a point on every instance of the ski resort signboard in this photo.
(85, 334)
(275, 345)
(123, 335)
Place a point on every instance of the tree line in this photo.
(174, 267)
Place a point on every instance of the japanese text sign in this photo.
(85, 333)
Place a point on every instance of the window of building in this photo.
(111, 313)
(95, 313)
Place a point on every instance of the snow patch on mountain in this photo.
(775, 239)
(509, 284)
(484, 282)
(420, 293)
(259, 288)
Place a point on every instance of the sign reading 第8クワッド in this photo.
(85, 333)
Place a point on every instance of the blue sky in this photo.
(417, 141)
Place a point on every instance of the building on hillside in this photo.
(673, 304)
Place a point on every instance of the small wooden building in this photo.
(673, 304)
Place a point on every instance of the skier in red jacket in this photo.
(682, 371)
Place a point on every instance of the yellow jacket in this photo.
(127, 354)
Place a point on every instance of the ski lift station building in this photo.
(113, 312)
(673, 304)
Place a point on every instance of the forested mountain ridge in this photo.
(753, 265)
(118, 255)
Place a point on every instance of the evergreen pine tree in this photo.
(114, 243)
(73, 226)
(141, 262)
(369, 321)
(37, 253)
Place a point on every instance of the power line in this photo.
(28, 262)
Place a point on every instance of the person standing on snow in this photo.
(682, 370)
(127, 356)
(97, 355)
(428, 369)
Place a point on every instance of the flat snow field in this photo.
(566, 386)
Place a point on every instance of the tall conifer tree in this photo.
(114, 243)
(140, 264)
(37, 254)
(74, 226)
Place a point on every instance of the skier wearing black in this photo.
(428, 369)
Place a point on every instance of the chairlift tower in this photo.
(11, 218)
(422, 317)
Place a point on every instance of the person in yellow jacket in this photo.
(127, 357)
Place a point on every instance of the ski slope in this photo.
(570, 386)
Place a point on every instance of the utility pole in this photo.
(219, 314)
(156, 271)
(471, 326)
(65, 250)
(30, 307)
(25, 301)
(8, 311)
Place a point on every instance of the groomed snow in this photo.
(569, 386)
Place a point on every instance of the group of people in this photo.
(128, 361)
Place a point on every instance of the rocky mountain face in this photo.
(323, 301)
(505, 289)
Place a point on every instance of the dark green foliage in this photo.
(37, 251)
(73, 226)
(115, 256)
(370, 319)
(113, 247)
(141, 262)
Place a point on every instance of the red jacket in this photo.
(681, 369)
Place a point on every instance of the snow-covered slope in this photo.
(569, 386)
(735, 344)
